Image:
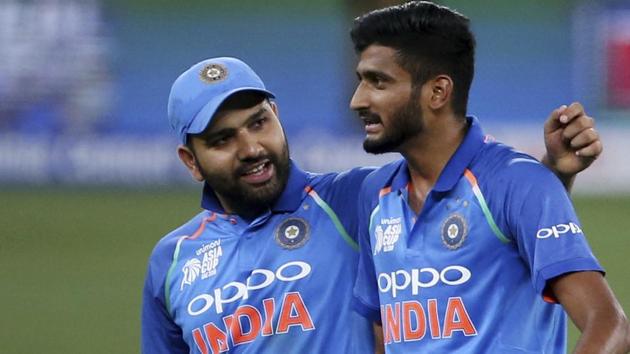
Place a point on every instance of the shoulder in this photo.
(339, 183)
(162, 253)
(501, 165)
(162, 256)
(334, 178)
(376, 183)
(512, 183)
(381, 177)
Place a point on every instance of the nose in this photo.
(249, 146)
(359, 100)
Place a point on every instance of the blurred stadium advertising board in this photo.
(84, 83)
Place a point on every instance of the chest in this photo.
(452, 231)
(239, 282)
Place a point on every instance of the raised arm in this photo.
(571, 141)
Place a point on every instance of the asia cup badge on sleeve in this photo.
(454, 231)
(292, 233)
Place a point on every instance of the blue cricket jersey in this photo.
(468, 274)
(281, 283)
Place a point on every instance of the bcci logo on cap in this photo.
(213, 73)
(454, 231)
(292, 233)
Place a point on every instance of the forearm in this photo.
(379, 347)
(595, 311)
(605, 335)
(567, 180)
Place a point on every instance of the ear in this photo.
(274, 108)
(441, 92)
(188, 158)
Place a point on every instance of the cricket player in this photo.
(466, 246)
(269, 265)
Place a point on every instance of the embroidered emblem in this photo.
(213, 73)
(454, 231)
(292, 233)
(191, 271)
(387, 234)
(212, 253)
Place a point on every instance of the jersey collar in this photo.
(463, 156)
(289, 200)
(454, 169)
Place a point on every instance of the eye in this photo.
(217, 141)
(379, 82)
(258, 123)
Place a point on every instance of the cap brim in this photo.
(203, 118)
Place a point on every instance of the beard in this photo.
(246, 198)
(405, 123)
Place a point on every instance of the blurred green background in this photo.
(73, 261)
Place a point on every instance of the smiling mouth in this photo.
(371, 122)
(256, 170)
(369, 118)
(259, 173)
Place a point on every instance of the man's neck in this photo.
(247, 213)
(427, 155)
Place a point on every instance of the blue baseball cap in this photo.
(198, 92)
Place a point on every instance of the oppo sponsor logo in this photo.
(235, 291)
(558, 230)
(419, 278)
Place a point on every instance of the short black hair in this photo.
(429, 39)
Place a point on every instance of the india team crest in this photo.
(292, 233)
(454, 231)
(213, 73)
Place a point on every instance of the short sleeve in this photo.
(159, 333)
(546, 228)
